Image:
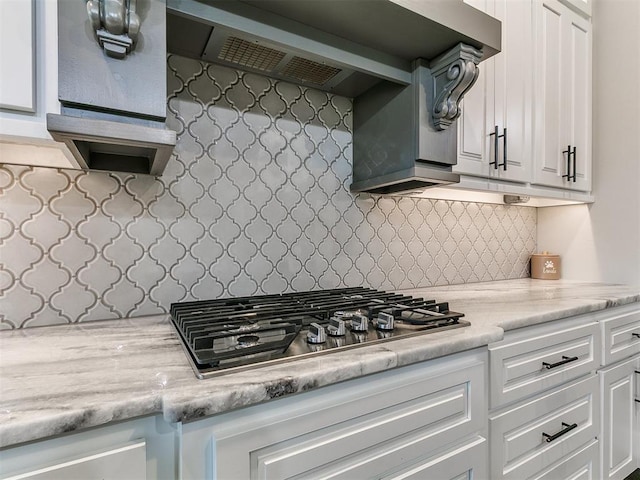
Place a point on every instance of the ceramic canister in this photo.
(545, 266)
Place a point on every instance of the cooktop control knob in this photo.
(359, 323)
(316, 333)
(385, 321)
(336, 327)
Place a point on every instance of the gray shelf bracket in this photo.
(116, 25)
(454, 73)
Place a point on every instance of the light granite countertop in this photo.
(65, 378)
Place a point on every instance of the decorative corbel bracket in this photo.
(116, 25)
(454, 73)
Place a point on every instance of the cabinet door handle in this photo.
(573, 176)
(504, 149)
(567, 428)
(568, 152)
(495, 136)
(564, 360)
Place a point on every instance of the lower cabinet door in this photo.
(125, 462)
(618, 439)
(637, 402)
(537, 433)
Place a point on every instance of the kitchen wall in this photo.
(601, 242)
(255, 200)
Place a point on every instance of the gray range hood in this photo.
(406, 63)
(341, 46)
(112, 85)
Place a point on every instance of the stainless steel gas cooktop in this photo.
(235, 334)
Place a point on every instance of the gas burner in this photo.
(235, 334)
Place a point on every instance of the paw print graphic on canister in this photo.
(545, 266)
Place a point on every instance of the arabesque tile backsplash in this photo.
(255, 200)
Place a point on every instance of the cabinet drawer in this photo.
(127, 461)
(582, 465)
(618, 339)
(381, 423)
(379, 440)
(537, 433)
(467, 461)
(543, 358)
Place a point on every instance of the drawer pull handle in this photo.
(564, 360)
(636, 335)
(567, 428)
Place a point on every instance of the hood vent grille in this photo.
(238, 51)
(253, 55)
(305, 70)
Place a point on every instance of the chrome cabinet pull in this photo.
(564, 361)
(567, 428)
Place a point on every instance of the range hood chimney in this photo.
(112, 85)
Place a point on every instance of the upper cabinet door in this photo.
(476, 120)
(578, 112)
(513, 78)
(581, 6)
(495, 125)
(17, 42)
(562, 146)
(29, 84)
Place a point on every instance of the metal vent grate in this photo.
(238, 51)
(309, 71)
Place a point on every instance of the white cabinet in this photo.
(562, 97)
(581, 465)
(494, 131)
(465, 461)
(29, 83)
(636, 437)
(538, 88)
(144, 448)
(545, 401)
(126, 461)
(419, 421)
(584, 7)
(575, 416)
(541, 357)
(537, 433)
(17, 62)
(621, 335)
(617, 440)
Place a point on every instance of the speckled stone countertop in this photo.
(65, 378)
